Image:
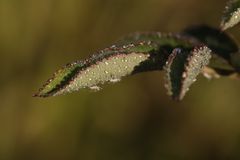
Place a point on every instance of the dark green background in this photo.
(131, 120)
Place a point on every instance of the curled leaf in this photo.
(174, 69)
(182, 69)
(231, 15)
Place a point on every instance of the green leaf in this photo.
(138, 52)
(109, 65)
(182, 69)
(231, 15)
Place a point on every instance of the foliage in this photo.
(198, 49)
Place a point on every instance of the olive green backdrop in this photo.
(130, 120)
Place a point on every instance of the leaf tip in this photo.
(231, 16)
(40, 94)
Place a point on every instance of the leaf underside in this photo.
(231, 15)
(182, 68)
(109, 65)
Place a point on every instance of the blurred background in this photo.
(131, 120)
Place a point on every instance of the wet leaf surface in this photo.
(183, 67)
(231, 15)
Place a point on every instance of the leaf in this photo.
(182, 69)
(109, 65)
(219, 42)
(231, 15)
(138, 53)
(174, 69)
(222, 45)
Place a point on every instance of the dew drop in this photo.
(114, 80)
(184, 75)
(95, 88)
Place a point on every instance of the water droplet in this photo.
(131, 45)
(115, 80)
(184, 75)
(95, 88)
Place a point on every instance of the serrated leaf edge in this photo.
(187, 67)
(84, 64)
